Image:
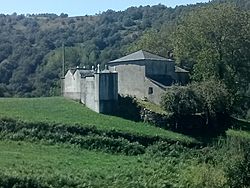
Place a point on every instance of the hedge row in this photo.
(44, 130)
(28, 180)
(85, 137)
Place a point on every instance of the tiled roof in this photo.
(140, 55)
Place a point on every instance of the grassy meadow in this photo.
(55, 142)
(39, 165)
(61, 161)
(60, 110)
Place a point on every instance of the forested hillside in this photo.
(31, 45)
(30, 48)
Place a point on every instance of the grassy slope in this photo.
(61, 165)
(65, 111)
(62, 159)
(51, 163)
(55, 165)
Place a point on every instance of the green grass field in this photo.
(37, 165)
(62, 159)
(45, 164)
(31, 157)
(60, 110)
(50, 164)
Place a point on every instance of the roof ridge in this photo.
(140, 55)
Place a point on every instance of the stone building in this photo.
(147, 76)
(141, 74)
(98, 90)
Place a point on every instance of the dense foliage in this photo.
(30, 49)
(216, 40)
(208, 98)
(31, 52)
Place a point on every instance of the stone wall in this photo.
(159, 120)
(194, 125)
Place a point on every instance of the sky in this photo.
(80, 7)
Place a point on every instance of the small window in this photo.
(150, 90)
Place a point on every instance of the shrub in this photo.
(86, 137)
(238, 167)
(202, 175)
(163, 149)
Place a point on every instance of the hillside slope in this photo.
(30, 49)
(57, 110)
(54, 142)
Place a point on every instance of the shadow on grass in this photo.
(127, 108)
(240, 124)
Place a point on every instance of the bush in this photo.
(238, 167)
(203, 175)
(110, 145)
(164, 149)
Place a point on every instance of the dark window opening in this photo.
(150, 90)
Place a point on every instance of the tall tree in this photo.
(216, 39)
(158, 42)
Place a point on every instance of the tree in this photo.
(181, 101)
(6, 69)
(158, 42)
(216, 39)
(215, 99)
(210, 98)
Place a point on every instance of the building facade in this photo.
(98, 90)
(147, 76)
(141, 74)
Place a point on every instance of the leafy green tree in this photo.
(181, 101)
(157, 42)
(210, 98)
(5, 71)
(215, 98)
(216, 39)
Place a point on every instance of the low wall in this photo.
(240, 124)
(195, 125)
(160, 120)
